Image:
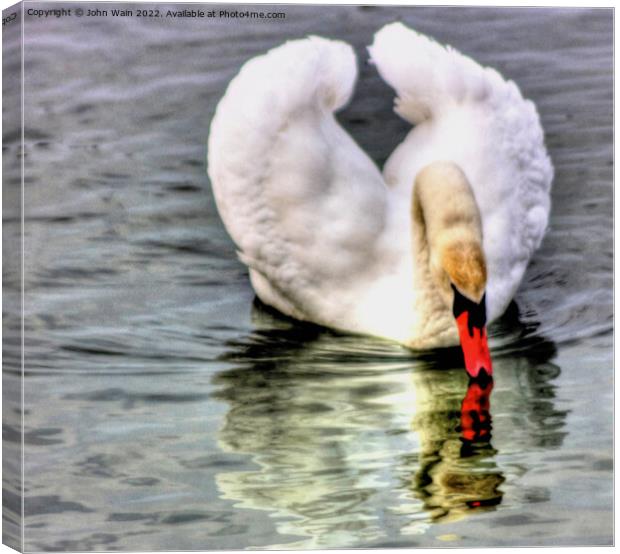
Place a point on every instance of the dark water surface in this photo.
(165, 409)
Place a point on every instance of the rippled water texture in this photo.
(165, 409)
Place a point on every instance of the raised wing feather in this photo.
(291, 185)
(426, 75)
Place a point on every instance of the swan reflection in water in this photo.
(457, 473)
(344, 429)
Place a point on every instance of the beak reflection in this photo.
(475, 410)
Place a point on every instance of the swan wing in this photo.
(471, 115)
(303, 203)
(428, 77)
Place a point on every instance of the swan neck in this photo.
(448, 228)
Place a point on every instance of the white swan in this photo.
(461, 205)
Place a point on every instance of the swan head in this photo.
(445, 208)
(461, 276)
(468, 284)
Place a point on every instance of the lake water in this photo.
(166, 409)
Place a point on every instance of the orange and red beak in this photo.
(471, 321)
